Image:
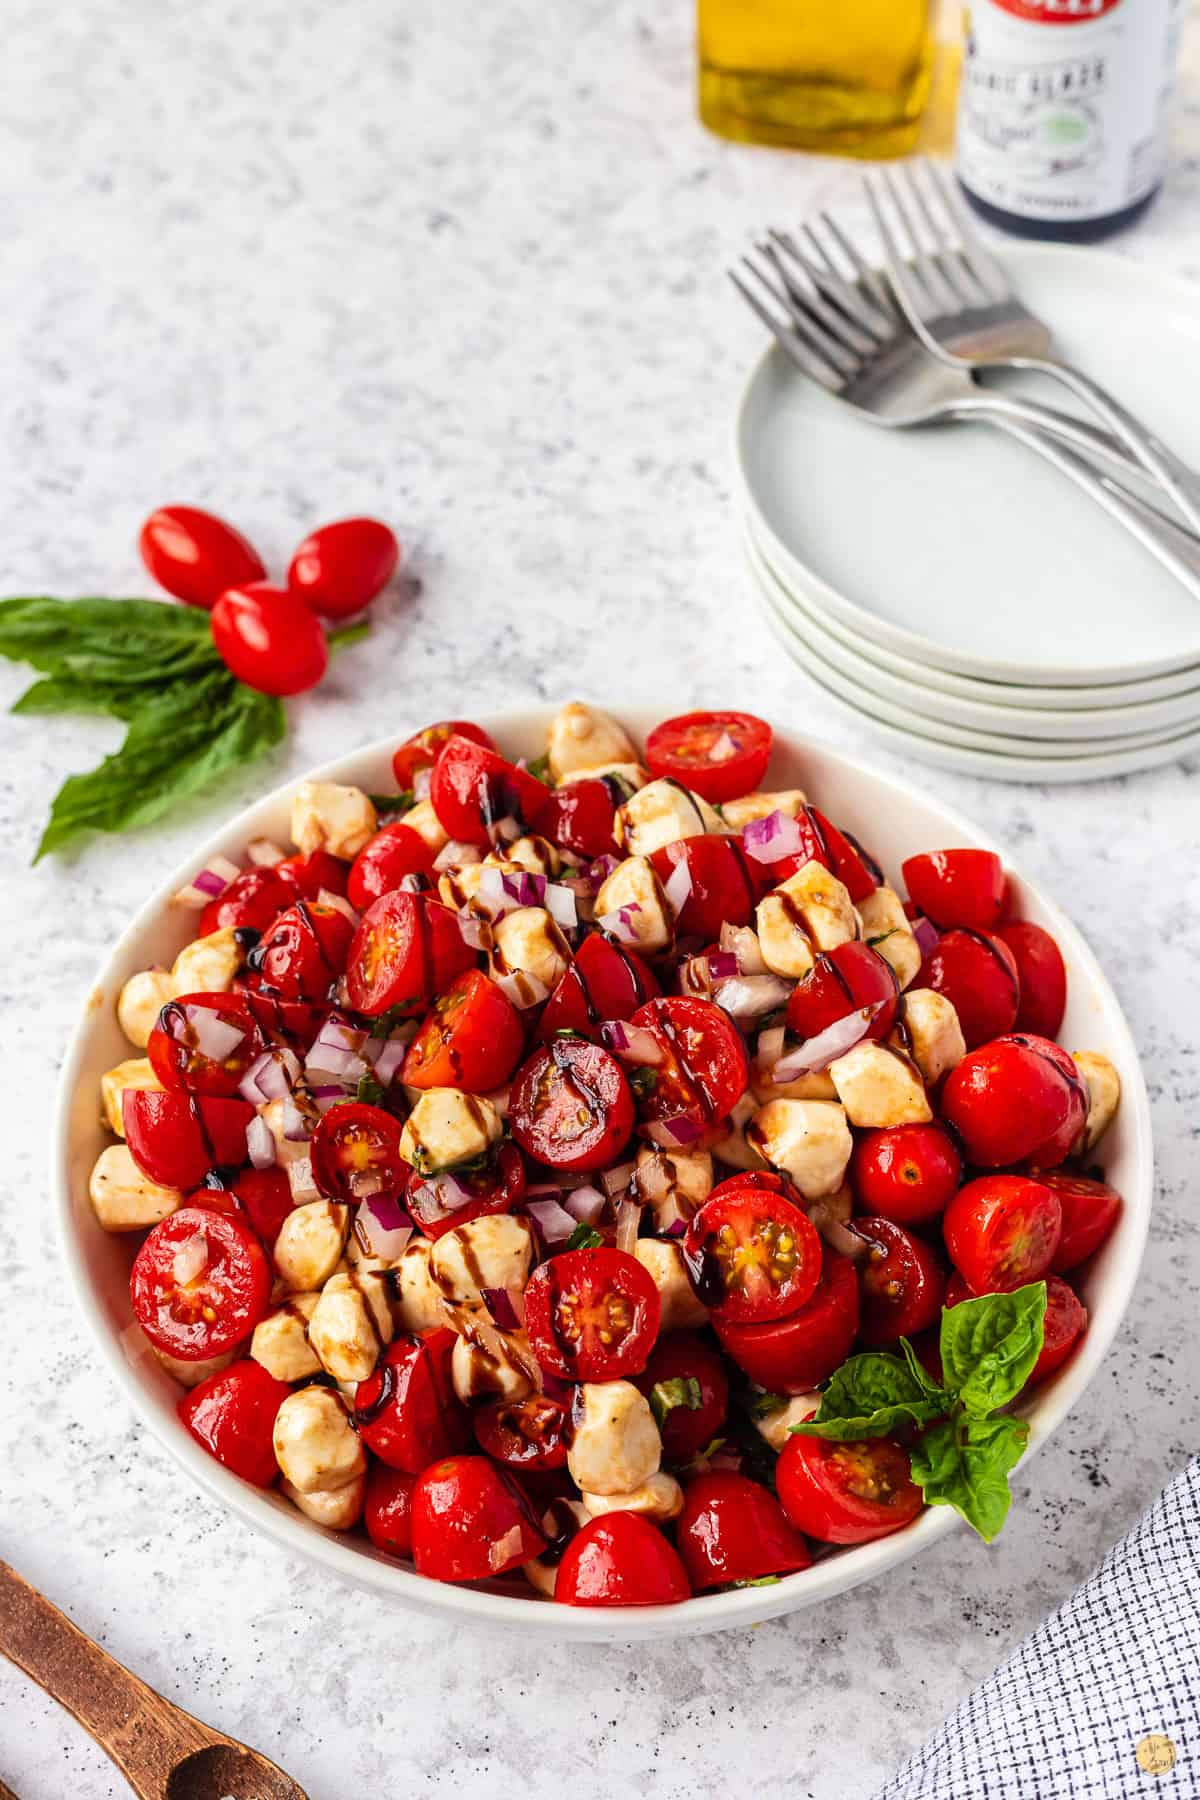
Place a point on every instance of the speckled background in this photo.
(460, 266)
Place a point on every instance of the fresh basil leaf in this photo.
(990, 1345)
(95, 647)
(757, 1581)
(761, 1404)
(965, 1463)
(681, 1390)
(391, 1020)
(921, 1375)
(345, 635)
(583, 1238)
(539, 768)
(392, 803)
(369, 1092)
(871, 1395)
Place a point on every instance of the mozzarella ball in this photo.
(776, 1426)
(493, 1252)
(339, 1510)
(879, 1085)
(673, 1182)
(123, 1199)
(350, 1325)
(141, 1000)
(489, 1364)
(136, 1073)
(662, 813)
(660, 1499)
(935, 1039)
(528, 942)
(541, 1574)
(309, 1246)
(811, 911)
(280, 1342)
(417, 1301)
(533, 854)
(328, 817)
(816, 1086)
(630, 775)
(422, 819)
(809, 1140)
(582, 738)
(446, 1127)
(316, 1446)
(616, 1446)
(662, 1260)
(886, 929)
(735, 1148)
(634, 884)
(208, 964)
(191, 1374)
(1104, 1095)
(737, 814)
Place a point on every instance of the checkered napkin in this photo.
(1102, 1701)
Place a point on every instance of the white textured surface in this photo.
(461, 267)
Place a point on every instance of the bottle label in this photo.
(1063, 109)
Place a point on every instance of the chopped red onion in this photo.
(600, 868)
(300, 1180)
(438, 1198)
(384, 1225)
(265, 854)
(678, 887)
(457, 855)
(339, 1049)
(632, 1043)
(750, 996)
(507, 1307)
(296, 1128)
(208, 884)
(523, 887)
(772, 839)
(422, 782)
(210, 1034)
(260, 1145)
(191, 1259)
(523, 990)
(615, 1181)
(553, 1221)
(722, 749)
(674, 1132)
(585, 1204)
(505, 831)
(742, 941)
(629, 1217)
(818, 1052)
(499, 1098)
(723, 966)
(389, 1059)
(476, 933)
(270, 1076)
(559, 901)
(339, 903)
(677, 1227)
(620, 924)
(926, 934)
(325, 1097)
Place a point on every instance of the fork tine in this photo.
(904, 277)
(942, 224)
(842, 361)
(941, 292)
(786, 338)
(846, 323)
(954, 272)
(869, 279)
(975, 254)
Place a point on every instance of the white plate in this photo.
(953, 545)
(1004, 728)
(897, 818)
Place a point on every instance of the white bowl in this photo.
(895, 819)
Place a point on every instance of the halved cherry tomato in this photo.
(470, 1521)
(303, 953)
(751, 1254)
(902, 1282)
(193, 1316)
(254, 899)
(718, 755)
(620, 1559)
(794, 1354)
(1090, 1210)
(957, 887)
(406, 1410)
(195, 555)
(837, 851)
(579, 817)
(1043, 977)
(839, 983)
(233, 1415)
(268, 638)
(285, 1021)
(570, 1105)
(265, 1196)
(1064, 1323)
(395, 851)
(473, 789)
(407, 949)
(339, 568)
(977, 972)
(422, 750)
(705, 1068)
(847, 1493)
(732, 1530)
(724, 888)
(906, 1173)
(605, 981)
(682, 1356)
(204, 1043)
(524, 1434)
(1002, 1231)
(387, 1509)
(456, 1196)
(592, 1315)
(307, 875)
(1019, 1099)
(175, 1139)
(471, 1038)
(355, 1152)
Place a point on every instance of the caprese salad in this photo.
(593, 1167)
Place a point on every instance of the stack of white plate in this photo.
(957, 593)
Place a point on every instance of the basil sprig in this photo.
(966, 1448)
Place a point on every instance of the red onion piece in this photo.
(816, 1053)
(926, 934)
(208, 884)
(677, 1228)
(629, 1217)
(585, 1204)
(387, 1063)
(600, 868)
(211, 1035)
(723, 966)
(438, 1198)
(525, 888)
(296, 1128)
(476, 933)
(339, 903)
(674, 1132)
(632, 1043)
(553, 1221)
(678, 887)
(422, 782)
(264, 854)
(501, 1303)
(615, 1181)
(260, 1145)
(191, 1259)
(559, 901)
(523, 990)
(620, 924)
(325, 1097)
(742, 941)
(384, 1225)
(772, 839)
(457, 855)
(300, 1180)
(750, 996)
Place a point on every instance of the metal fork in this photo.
(960, 302)
(840, 327)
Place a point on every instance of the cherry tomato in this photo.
(906, 1173)
(705, 1069)
(406, 1410)
(284, 1021)
(196, 1315)
(1019, 1099)
(1090, 1210)
(355, 1152)
(269, 639)
(407, 949)
(308, 875)
(592, 1315)
(579, 817)
(620, 1559)
(751, 1254)
(794, 1354)
(902, 1283)
(339, 568)
(847, 1493)
(1064, 1323)
(687, 1428)
(837, 851)
(387, 1509)
(175, 1139)
(470, 1521)
(265, 1196)
(724, 887)
(1043, 977)
(233, 1415)
(570, 1105)
(1002, 1231)
(474, 788)
(204, 1043)
(454, 1197)
(422, 750)
(958, 887)
(471, 1038)
(303, 953)
(978, 974)
(253, 900)
(524, 1434)
(731, 1529)
(195, 555)
(395, 851)
(718, 755)
(839, 983)
(605, 981)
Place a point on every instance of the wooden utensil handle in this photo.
(142, 1733)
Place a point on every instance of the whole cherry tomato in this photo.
(387, 1509)
(1064, 1323)
(471, 1038)
(839, 983)
(456, 1196)
(592, 1315)
(176, 1139)
(570, 1106)
(579, 817)
(406, 1410)
(524, 1434)
(906, 1173)
(407, 949)
(903, 1283)
(233, 1415)
(732, 1530)
(692, 1390)
(837, 851)
(847, 1493)
(355, 1152)
(1002, 1231)
(1090, 1210)
(977, 973)
(796, 1353)
(704, 1068)
(303, 953)
(724, 886)
(199, 1284)
(1019, 1099)
(751, 1254)
(605, 981)
(958, 887)
(269, 639)
(474, 789)
(253, 900)
(422, 750)
(195, 555)
(395, 851)
(339, 568)
(470, 1521)
(204, 1043)
(308, 875)
(620, 1559)
(1043, 978)
(718, 755)
(265, 1196)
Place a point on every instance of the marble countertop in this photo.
(461, 267)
